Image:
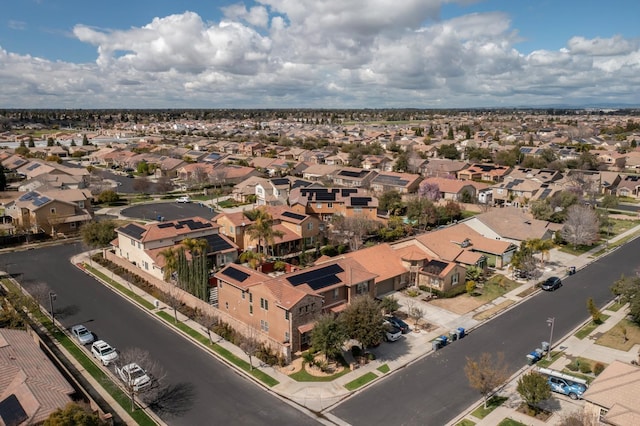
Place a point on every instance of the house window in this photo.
(231, 229)
(336, 293)
(358, 209)
(362, 288)
(243, 295)
(310, 226)
(133, 242)
(250, 298)
(220, 286)
(499, 190)
(138, 244)
(318, 205)
(603, 414)
(264, 325)
(53, 210)
(226, 305)
(264, 304)
(72, 225)
(81, 204)
(454, 279)
(250, 309)
(286, 337)
(286, 315)
(330, 205)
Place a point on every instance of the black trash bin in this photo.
(572, 270)
(453, 335)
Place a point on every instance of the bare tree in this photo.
(199, 175)
(138, 373)
(416, 314)
(250, 343)
(172, 299)
(582, 226)
(486, 373)
(164, 184)
(208, 321)
(354, 229)
(141, 185)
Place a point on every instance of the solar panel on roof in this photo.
(33, 166)
(348, 191)
(545, 194)
(360, 201)
(293, 215)
(435, 267)
(29, 196)
(319, 283)
(323, 274)
(325, 196)
(11, 411)
(279, 181)
(165, 225)
(40, 201)
(235, 274)
(350, 173)
(217, 243)
(133, 230)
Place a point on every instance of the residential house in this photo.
(437, 167)
(324, 203)
(353, 177)
(142, 244)
(404, 183)
(454, 189)
(512, 224)
(168, 166)
(275, 192)
(54, 211)
(628, 186)
(612, 398)
(513, 191)
(462, 244)
(318, 172)
(484, 172)
(376, 162)
(284, 308)
(31, 387)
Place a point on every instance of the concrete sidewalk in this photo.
(318, 396)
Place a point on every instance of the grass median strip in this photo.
(122, 289)
(258, 374)
(361, 381)
(384, 369)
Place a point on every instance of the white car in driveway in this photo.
(184, 199)
(134, 376)
(81, 334)
(104, 352)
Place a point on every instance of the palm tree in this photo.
(262, 230)
(170, 262)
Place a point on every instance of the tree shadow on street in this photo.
(172, 400)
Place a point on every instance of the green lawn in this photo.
(465, 422)
(304, 376)
(589, 327)
(360, 381)
(496, 286)
(493, 403)
(384, 369)
(510, 422)
(130, 294)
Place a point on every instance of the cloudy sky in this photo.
(318, 53)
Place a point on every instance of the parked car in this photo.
(184, 199)
(82, 334)
(134, 376)
(391, 332)
(567, 387)
(104, 352)
(397, 322)
(551, 284)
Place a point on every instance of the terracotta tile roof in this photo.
(371, 259)
(412, 253)
(619, 383)
(447, 243)
(450, 186)
(253, 277)
(27, 373)
(285, 294)
(175, 228)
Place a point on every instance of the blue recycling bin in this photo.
(444, 339)
(461, 332)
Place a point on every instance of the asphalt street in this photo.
(202, 390)
(434, 390)
(169, 210)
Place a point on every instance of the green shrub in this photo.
(328, 251)
(574, 365)
(356, 351)
(412, 292)
(423, 287)
(585, 368)
(598, 368)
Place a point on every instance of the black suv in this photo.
(551, 283)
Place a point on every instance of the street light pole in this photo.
(52, 297)
(551, 321)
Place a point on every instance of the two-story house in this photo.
(142, 244)
(485, 172)
(284, 308)
(404, 183)
(54, 211)
(353, 177)
(324, 203)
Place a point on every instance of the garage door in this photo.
(384, 287)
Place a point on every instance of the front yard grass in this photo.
(465, 422)
(360, 381)
(510, 422)
(493, 403)
(304, 376)
(590, 326)
(384, 369)
(616, 338)
(496, 286)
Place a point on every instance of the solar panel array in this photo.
(346, 192)
(280, 181)
(217, 243)
(41, 201)
(133, 230)
(318, 278)
(351, 173)
(360, 201)
(235, 274)
(390, 180)
(33, 166)
(435, 267)
(293, 215)
(29, 196)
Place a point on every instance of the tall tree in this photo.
(628, 291)
(533, 388)
(98, 233)
(263, 231)
(581, 226)
(486, 373)
(3, 179)
(170, 262)
(430, 191)
(363, 321)
(73, 414)
(328, 335)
